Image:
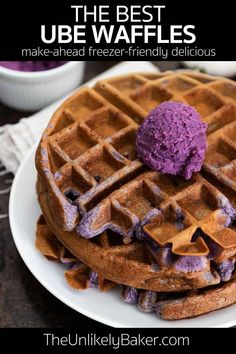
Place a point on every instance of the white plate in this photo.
(107, 307)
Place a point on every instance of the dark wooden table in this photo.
(23, 300)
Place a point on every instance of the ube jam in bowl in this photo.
(32, 85)
(31, 65)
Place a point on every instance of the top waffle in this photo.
(87, 156)
(88, 148)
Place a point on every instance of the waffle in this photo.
(186, 207)
(169, 306)
(196, 303)
(87, 167)
(88, 148)
(80, 156)
(126, 263)
(177, 306)
(78, 275)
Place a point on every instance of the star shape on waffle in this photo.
(186, 233)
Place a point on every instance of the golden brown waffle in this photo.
(88, 151)
(89, 144)
(81, 151)
(77, 275)
(187, 207)
(213, 97)
(169, 306)
(198, 302)
(130, 264)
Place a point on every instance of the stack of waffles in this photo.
(170, 242)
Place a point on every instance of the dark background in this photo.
(23, 300)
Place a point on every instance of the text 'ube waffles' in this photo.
(162, 237)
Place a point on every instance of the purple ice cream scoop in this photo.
(172, 139)
(31, 65)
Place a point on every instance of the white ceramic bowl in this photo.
(219, 68)
(31, 91)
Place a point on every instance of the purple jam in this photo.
(172, 139)
(130, 294)
(93, 280)
(147, 301)
(31, 65)
(225, 269)
(190, 264)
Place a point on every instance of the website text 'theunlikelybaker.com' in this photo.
(114, 341)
